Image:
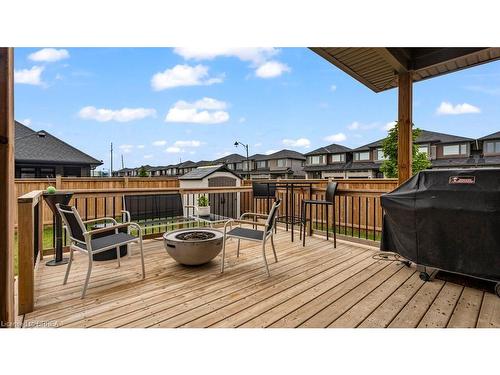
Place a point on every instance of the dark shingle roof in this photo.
(490, 136)
(427, 136)
(48, 149)
(330, 149)
(202, 172)
(233, 158)
(282, 154)
(377, 143)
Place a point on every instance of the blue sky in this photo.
(162, 105)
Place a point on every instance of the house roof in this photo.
(330, 149)
(377, 143)
(378, 68)
(435, 137)
(232, 158)
(186, 164)
(47, 149)
(490, 136)
(282, 154)
(201, 172)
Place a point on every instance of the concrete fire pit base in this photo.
(193, 246)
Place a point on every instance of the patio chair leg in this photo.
(264, 256)
(118, 256)
(274, 249)
(69, 265)
(87, 279)
(223, 254)
(142, 258)
(238, 251)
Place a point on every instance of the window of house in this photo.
(28, 173)
(338, 158)
(459, 149)
(380, 154)
(247, 165)
(261, 164)
(424, 149)
(363, 155)
(47, 172)
(281, 162)
(316, 159)
(492, 147)
(230, 166)
(239, 166)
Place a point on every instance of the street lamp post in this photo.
(238, 143)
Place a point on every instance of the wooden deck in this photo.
(315, 286)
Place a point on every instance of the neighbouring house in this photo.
(124, 172)
(40, 155)
(235, 162)
(366, 161)
(327, 162)
(490, 146)
(280, 164)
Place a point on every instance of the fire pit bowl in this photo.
(193, 246)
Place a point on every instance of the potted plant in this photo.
(203, 207)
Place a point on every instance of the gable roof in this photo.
(428, 136)
(490, 136)
(330, 149)
(232, 158)
(377, 143)
(48, 149)
(282, 154)
(201, 172)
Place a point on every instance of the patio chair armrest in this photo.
(101, 219)
(237, 221)
(254, 214)
(127, 215)
(90, 233)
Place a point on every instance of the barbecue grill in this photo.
(448, 220)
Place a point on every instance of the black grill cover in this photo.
(447, 219)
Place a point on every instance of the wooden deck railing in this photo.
(358, 214)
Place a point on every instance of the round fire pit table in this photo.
(193, 246)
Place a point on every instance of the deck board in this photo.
(312, 286)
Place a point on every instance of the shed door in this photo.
(224, 204)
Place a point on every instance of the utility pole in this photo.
(111, 169)
(123, 165)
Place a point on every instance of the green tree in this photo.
(390, 147)
(143, 172)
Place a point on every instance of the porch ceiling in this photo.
(378, 68)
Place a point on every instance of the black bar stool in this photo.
(331, 190)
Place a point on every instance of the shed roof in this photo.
(201, 172)
(378, 67)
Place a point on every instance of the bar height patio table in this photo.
(52, 200)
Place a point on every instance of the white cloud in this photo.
(339, 137)
(126, 149)
(389, 125)
(300, 142)
(119, 115)
(26, 121)
(219, 155)
(49, 55)
(148, 156)
(360, 126)
(353, 126)
(173, 150)
(187, 143)
(271, 69)
(204, 111)
(140, 147)
(31, 76)
(254, 55)
(446, 108)
(269, 152)
(241, 120)
(333, 88)
(257, 144)
(159, 143)
(259, 58)
(183, 75)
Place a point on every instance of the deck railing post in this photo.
(28, 206)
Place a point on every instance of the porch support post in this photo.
(7, 200)
(405, 139)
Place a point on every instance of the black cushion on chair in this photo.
(112, 239)
(253, 234)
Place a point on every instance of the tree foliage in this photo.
(390, 147)
(143, 172)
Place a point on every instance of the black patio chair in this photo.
(81, 239)
(329, 201)
(249, 234)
